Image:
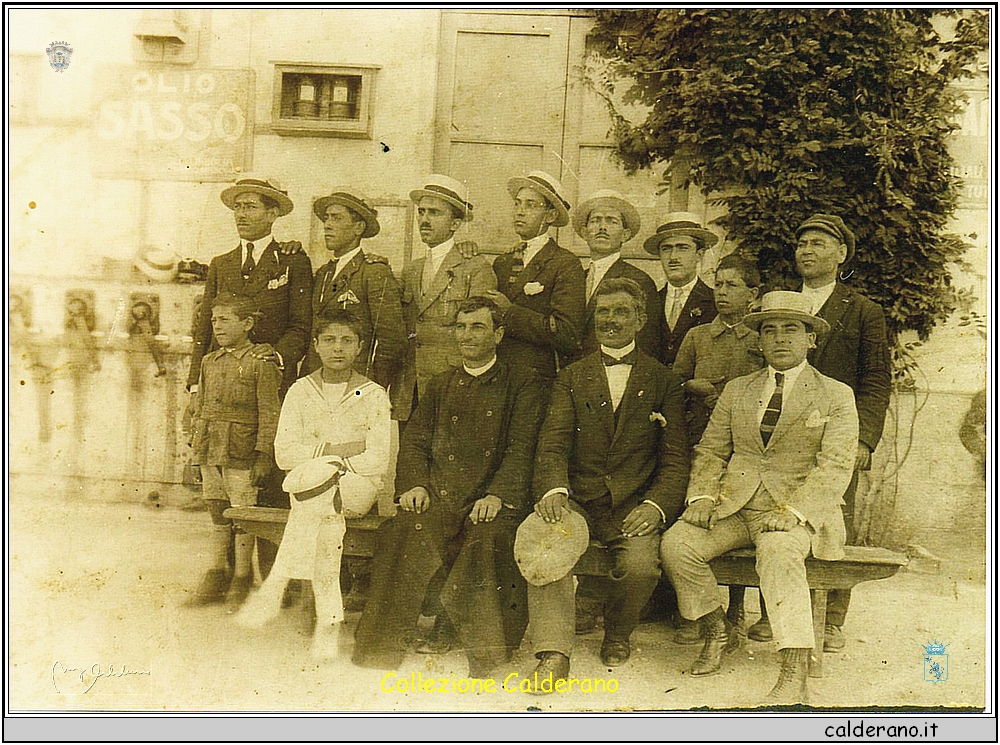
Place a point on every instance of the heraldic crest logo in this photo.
(935, 662)
(59, 53)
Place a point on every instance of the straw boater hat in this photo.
(680, 223)
(267, 187)
(606, 198)
(546, 552)
(782, 304)
(451, 190)
(158, 264)
(546, 185)
(320, 476)
(353, 202)
(832, 225)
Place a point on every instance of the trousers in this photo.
(633, 576)
(686, 551)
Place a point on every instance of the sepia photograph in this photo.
(497, 360)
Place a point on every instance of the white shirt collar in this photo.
(436, 254)
(618, 353)
(535, 245)
(818, 296)
(477, 371)
(258, 246)
(346, 259)
(791, 375)
(683, 290)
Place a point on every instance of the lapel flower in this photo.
(348, 297)
(815, 420)
(533, 288)
(658, 417)
(696, 312)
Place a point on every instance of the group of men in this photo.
(539, 413)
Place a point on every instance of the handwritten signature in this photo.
(88, 676)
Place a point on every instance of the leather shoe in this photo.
(441, 639)
(737, 627)
(615, 652)
(552, 667)
(833, 638)
(709, 662)
(761, 631)
(793, 681)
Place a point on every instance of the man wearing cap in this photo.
(685, 301)
(768, 472)
(361, 284)
(463, 478)
(612, 448)
(855, 352)
(437, 283)
(606, 220)
(540, 286)
(280, 284)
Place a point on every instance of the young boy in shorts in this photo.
(334, 438)
(234, 422)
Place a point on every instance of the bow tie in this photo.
(628, 359)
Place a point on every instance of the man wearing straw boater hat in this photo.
(280, 284)
(770, 471)
(685, 301)
(361, 284)
(436, 284)
(540, 286)
(607, 220)
(856, 352)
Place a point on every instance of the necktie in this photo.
(249, 264)
(518, 264)
(628, 359)
(773, 411)
(590, 281)
(675, 310)
(328, 280)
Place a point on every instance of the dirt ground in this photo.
(96, 592)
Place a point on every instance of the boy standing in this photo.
(235, 419)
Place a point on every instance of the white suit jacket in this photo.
(808, 461)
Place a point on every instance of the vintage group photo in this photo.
(499, 360)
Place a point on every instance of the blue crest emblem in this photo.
(935, 662)
(59, 53)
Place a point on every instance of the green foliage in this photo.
(782, 113)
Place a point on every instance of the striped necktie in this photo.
(773, 411)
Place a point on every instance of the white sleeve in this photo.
(291, 447)
(374, 461)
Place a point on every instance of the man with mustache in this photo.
(606, 220)
(435, 285)
(612, 448)
(685, 301)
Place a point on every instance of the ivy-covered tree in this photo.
(781, 113)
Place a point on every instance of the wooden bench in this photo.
(860, 563)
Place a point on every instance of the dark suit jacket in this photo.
(856, 352)
(281, 286)
(633, 457)
(547, 322)
(469, 437)
(648, 339)
(368, 290)
(699, 309)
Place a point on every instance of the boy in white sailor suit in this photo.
(334, 434)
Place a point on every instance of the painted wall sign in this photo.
(172, 124)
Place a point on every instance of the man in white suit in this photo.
(770, 471)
